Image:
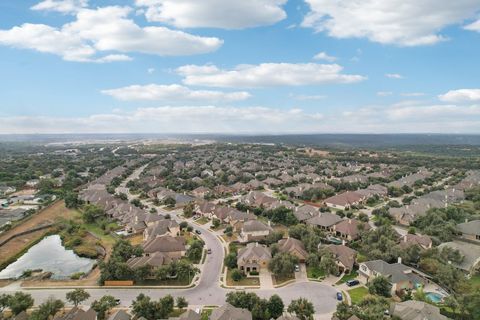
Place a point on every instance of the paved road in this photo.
(208, 290)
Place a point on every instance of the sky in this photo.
(239, 67)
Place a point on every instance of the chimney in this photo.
(400, 260)
(466, 220)
(344, 243)
(350, 221)
(269, 223)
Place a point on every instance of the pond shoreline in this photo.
(60, 261)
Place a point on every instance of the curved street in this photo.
(208, 289)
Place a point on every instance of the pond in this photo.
(49, 255)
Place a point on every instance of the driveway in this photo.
(266, 281)
(302, 274)
(208, 290)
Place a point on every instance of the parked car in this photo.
(339, 296)
(352, 283)
(198, 231)
(297, 268)
(209, 250)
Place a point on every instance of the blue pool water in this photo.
(434, 297)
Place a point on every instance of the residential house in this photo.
(254, 230)
(470, 252)
(305, 212)
(77, 313)
(344, 200)
(253, 257)
(187, 315)
(120, 315)
(174, 247)
(345, 257)
(424, 242)
(160, 228)
(294, 247)
(470, 230)
(400, 276)
(324, 220)
(416, 310)
(350, 229)
(229, 312)
(201, 192)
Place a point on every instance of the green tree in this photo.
(275, 306)
(343, 312)
(381, 286)
(237, 275)
(91, 213)
(103, 306)
(327, 263)
(231, 260)
(77, 296)
(19, 302)
(189, 209)
(283, 264)
(47, 309)
(302, 308)
(182, 302)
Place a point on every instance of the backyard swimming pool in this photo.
(434, 297)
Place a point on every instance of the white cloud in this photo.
(394, 76)
(174, 92)
(303, 97)
(100, 31)
(402, 117)
(397, 22)
(384, 93)
(413, 94)
(188, 119)
(266, 74)
(324, 56)
(63, 6)
(474, 26)
(150, 70)
(226, 14)
(461, 95)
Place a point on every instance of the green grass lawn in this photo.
(352, 275)
(475, 281)
(277, 280)
(202, 220)
(250, 281)
(206, 314)
(357, 294)
(315, 272)
(97, 231)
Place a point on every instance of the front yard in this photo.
(277, 280)
(315, 273)
(248, 281)
(352, 275)
(202, 220)
(357, 294)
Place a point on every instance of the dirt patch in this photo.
(45, 216)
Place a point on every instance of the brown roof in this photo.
(345, 199)
(292, 245)
(343, 254)
(350, 227)
(164, 244)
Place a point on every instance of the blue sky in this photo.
(252, 66)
